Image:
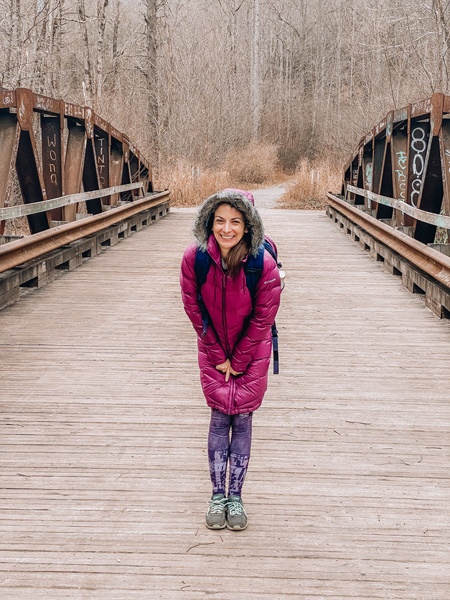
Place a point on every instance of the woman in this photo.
(234, 339)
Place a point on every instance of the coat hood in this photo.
(238, 199)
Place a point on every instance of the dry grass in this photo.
(249, 168)
(254, 164)
(310, 184)
(188, 187)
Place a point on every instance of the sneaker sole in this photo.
(236, 527)
(215, 526)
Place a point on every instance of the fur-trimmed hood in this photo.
(237, 199)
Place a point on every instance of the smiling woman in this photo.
(228, 228)
(234, 337)
(231, 234)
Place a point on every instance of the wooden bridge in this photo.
(104, 474)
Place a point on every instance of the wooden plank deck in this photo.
(104, 476)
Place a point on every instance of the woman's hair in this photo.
(239, 252)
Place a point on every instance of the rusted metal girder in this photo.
(96, 155)
(419, 215)
(406, 156)
(19, 251)
(23, 210)
(430, 261)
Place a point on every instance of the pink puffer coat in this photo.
(230, 334)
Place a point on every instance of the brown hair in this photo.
(237, 254)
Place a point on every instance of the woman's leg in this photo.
(218, 449)
(241, 441)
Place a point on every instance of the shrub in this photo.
(256, 163)
(310, 184)
(189, 186)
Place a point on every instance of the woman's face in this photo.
(228, 227)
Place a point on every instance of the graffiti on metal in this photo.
(419, 215)
(368, 174)
(401, 164)
(7, 99)
(411, 150)
(101, 123)
(73, 110)
(389, 125)
(102, 152)
(418, 150)
(115, 133)
(368, 138)
(381, 125)
(75, 153)
(46, 104)
(420, 108)
(401, 114)
(13, 212)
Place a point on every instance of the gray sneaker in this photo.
(215, 517)
(236, 515)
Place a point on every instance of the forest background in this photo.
(246, 90)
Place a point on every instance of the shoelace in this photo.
(217, 506)
(235, 508)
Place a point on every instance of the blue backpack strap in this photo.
(253, 271)
(201, 267)
(268, 246)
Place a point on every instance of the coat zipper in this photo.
(224, 314)
(224, 322)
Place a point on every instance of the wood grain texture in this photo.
(104, 476)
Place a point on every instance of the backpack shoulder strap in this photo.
(253, 270)
(201, 267)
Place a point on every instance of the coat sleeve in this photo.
(189, 295)
(267, 301)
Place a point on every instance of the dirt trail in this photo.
(267, 198)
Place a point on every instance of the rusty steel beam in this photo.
(406, 155)
(401, 206)
(430, 261)
(52, 160)
(9, 143)
(91, 179)
(115, 173)
(23, 210)
(80, 150)
(73, 168)
(19, 251)
(30, 181)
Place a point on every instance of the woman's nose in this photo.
(227, 226)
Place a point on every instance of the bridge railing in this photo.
(406, 156)
(442, 221)
(423, 268)
(23, 210)
(51, 148)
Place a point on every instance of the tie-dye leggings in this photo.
(221, 449)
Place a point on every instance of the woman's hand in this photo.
(226, 368)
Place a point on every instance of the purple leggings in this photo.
(221, 449)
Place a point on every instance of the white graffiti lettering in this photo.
(53, 156)
(418, 145)
(368, 176)
(401, 175)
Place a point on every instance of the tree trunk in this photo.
(87, 62)
(255, 76)
(151, 76)
(101, 13)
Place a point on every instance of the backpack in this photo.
(253, 270)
